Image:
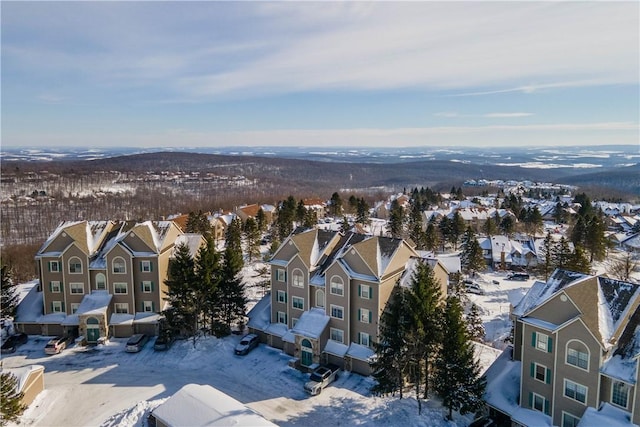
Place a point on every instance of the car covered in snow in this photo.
(474, 288)
(246, 344)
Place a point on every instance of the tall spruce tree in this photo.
(11, 406)
(457, 229)
(457, 378)
(206, 282)
(182, 315)
(475, 325)
(596, 242)
(415, 225)
(391, 360)
(252, 238)
(197, 222)
(431, 236)
(471, 257)
(231, 296)
(548, 252)
(335, 205)
(233, 238)
(561, 254)
(261, 220)
(8, 293)
(362, 212)
(396, 219)
(426, 311)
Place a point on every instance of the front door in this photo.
(307, 353)
(93, 329)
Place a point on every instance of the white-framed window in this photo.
(620, 394)
(364, 339)
(56, 306)
(569, 420)
(101, 281)
(337, 335)
(294, 320)
(74, 307)
(541, 341)
(54, 286)
(320, 298)
(76, 288)
(147, 286)
(75, 265)
(147, 306)
(281, 296)
(282, 317)
(365, 291)
(336, 286)
(54, 266)
(298, 278)
(121, 307)
(145, 266)
(540, 373)
(119, 266)
(578, 355)
(537, 402)
(575, 391)
(297, 302)
(337, 311)
(281, 275)
(120, 288)
(364, 315)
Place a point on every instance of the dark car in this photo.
(163, 343)
(13, 342)
(518, 276)
(136, 343)
(247, 343)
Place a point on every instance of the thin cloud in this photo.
(506, 115)
(454, 114)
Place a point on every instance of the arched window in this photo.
(298, 278)
(92, 321)
(119, 265)
(75, 265)
(337, 286)
(306, 344)
(101, 281)
(319, 298)
(577, 354)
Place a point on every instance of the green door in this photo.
(307, 353)
(93, 329)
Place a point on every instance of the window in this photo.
(101, 281)
(337, 335)
(337, 286)
(320, 298)
(282, 317)
(74, 307)
(147, 306)
(119, 288)
(337, 311)
(537, 402)
(620, 394)
(569, 420)
(119, 266)
(77, 288)
(293, 322)
(578, 357)
(122, 307)
(147, 286)
(55, 287)
(282, 296)
(54, 266)
(541, 341)
(364, 315)
(575, 391)
(363, 339)
(75, 266)
(541, 373)
(364, 291)
(298, 280)
(56, 306)
(297, 302)
(281, 275)
(145, 266)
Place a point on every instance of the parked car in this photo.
(12, 343)
(246, 344)
(495, 282)
(163, 342)
(57, 344)
(136, 343)
(321, 377)
(518, 276)
(474, 288)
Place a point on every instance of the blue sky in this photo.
(153, 74)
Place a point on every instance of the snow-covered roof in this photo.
(97, 302)
(121, 319)
(336, 348)
(360, 352)
(451, 263)
(147, 317)
(260, 315)
(311, 323)
(52, 318)
(22, 374)
(192, 240)
(541, 291)
(608, 415)
(198, 405)
(71, 320)
(31, 307)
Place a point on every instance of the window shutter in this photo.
(142, 306)
(59, 265)
(359, 290)
(359, 338)
(285, 276)
(532, 370)
(142, 286)
(49, 266)
(285, 297)
(548, 379)
(151, 286)
(141, 266)
(63, 307)
(531, 400)
(370, 316)
(153, 306)
(549, 345)
(546, 407)
(52, 306)
(370, 292)
(359, 316)
(150, 266)
(50, 287)
(533, 339)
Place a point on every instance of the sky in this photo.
(371, 74)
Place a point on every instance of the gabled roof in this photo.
(87, 235)
(311, 323)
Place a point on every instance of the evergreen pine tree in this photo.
(396, 219)
(231, 296)
(261, 220)
(457, 229)
(252, 238)
(475, 325)
(182, 315)
(489, 227)
(391, 360)
(362, 212)
(426, 310)
(11, 406)
(507, 225)
(415, 225)
(344, 225)
(233, 239)
(301, 210)
(445, 230)
(471, 258)
(596, 242)
(457, 377)
(8, 294)
(561, 254)
(206, 282)
(335, 205)
(578, 261)
(197, 222)
(548, 252)
(431, 236)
